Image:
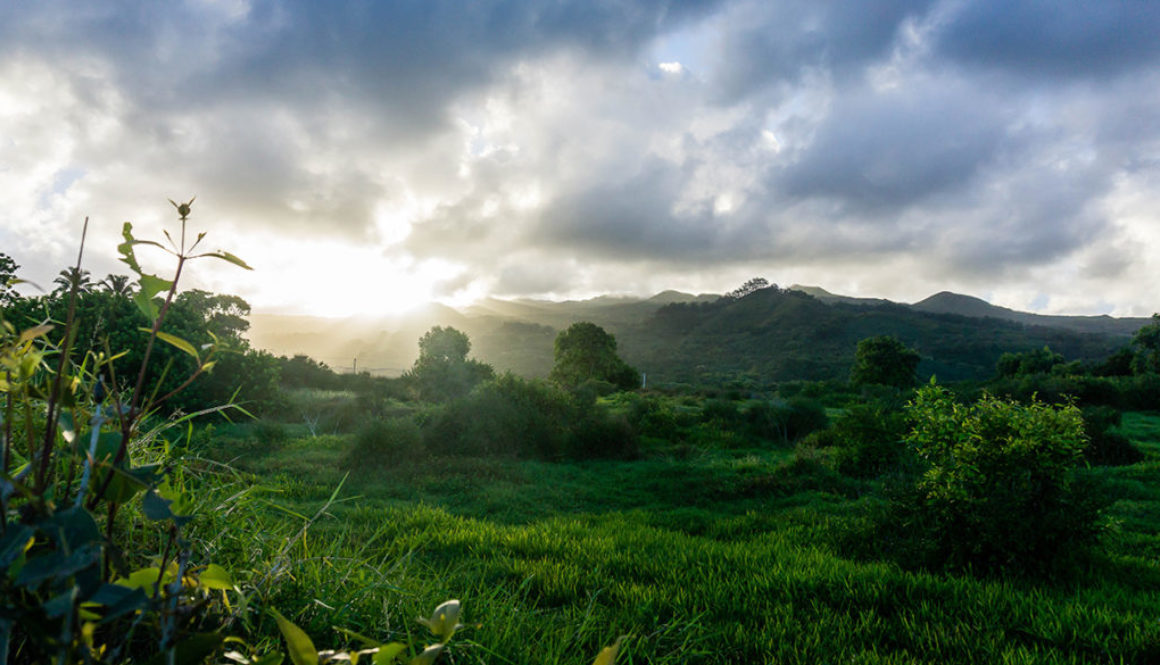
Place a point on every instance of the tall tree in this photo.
(585, 351)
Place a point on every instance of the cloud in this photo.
(565, 148)
(1079, 38)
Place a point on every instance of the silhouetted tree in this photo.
(755, 284)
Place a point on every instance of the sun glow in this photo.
(339, 279)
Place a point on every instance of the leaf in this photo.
(608, 654)
(33, 332)
(302, 651)
(177, 342)
(388, 653)
(226, 256)
(215, 577)
(428, 656)
(156, 508)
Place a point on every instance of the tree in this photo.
(8, 270)
(1037, 361)
(118, 285)
(441, 344)
(443, 370)
(1147, 343)
(755, 284)
(69, 277)
(884, 360)
(586, 352)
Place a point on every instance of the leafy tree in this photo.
(223, 315)
(443, 371)
(1037, 361)
(1147, 343)
(884, 360)
(441, 344)
(8, 270)
(585, 352)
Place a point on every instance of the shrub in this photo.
(997, 490)
(785, 421)
(1107, 446)
(868, 440)
(380, 443)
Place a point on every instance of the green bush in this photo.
(997, 489)
(380, 443)
(1107, 447)
(868, 439)
(785, 421)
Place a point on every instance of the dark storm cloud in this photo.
(776, 42)
(1059, 39)
(410, 56)
(889, 149)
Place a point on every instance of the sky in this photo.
(366, 157)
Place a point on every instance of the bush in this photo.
(997, 491)
(785, 421)
(380, 443)
(1107, 447)
(515, 417)
(868, 440)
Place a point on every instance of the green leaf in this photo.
(388, 653)
(608, 654)
(215, 577)
(36, 331)
(302, 651)
(156, 508)
(177, 342)
(226, 256)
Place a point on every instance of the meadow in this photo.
(698, 554)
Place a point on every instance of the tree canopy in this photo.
(884, 360)
(584, 352)
(443, 371)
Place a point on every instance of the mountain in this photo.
(769, 335)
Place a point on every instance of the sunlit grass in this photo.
(713, 557)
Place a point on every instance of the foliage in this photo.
(510, 416)
(1037, 361)
(884, 360)
(785, 421)
(755, 284)
(586, 352)
(868, 439)
(997, 489)
(380, 444)
(443, 371)
(8, 268)
(1107, 446)
(1147, 344)
(70, 593)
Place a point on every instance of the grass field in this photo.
(698, 556)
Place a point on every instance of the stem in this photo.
(54, 397)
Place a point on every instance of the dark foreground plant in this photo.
(95, 562)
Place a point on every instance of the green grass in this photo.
(701, 557)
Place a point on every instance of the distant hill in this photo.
(953, 303)
(770, 335)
